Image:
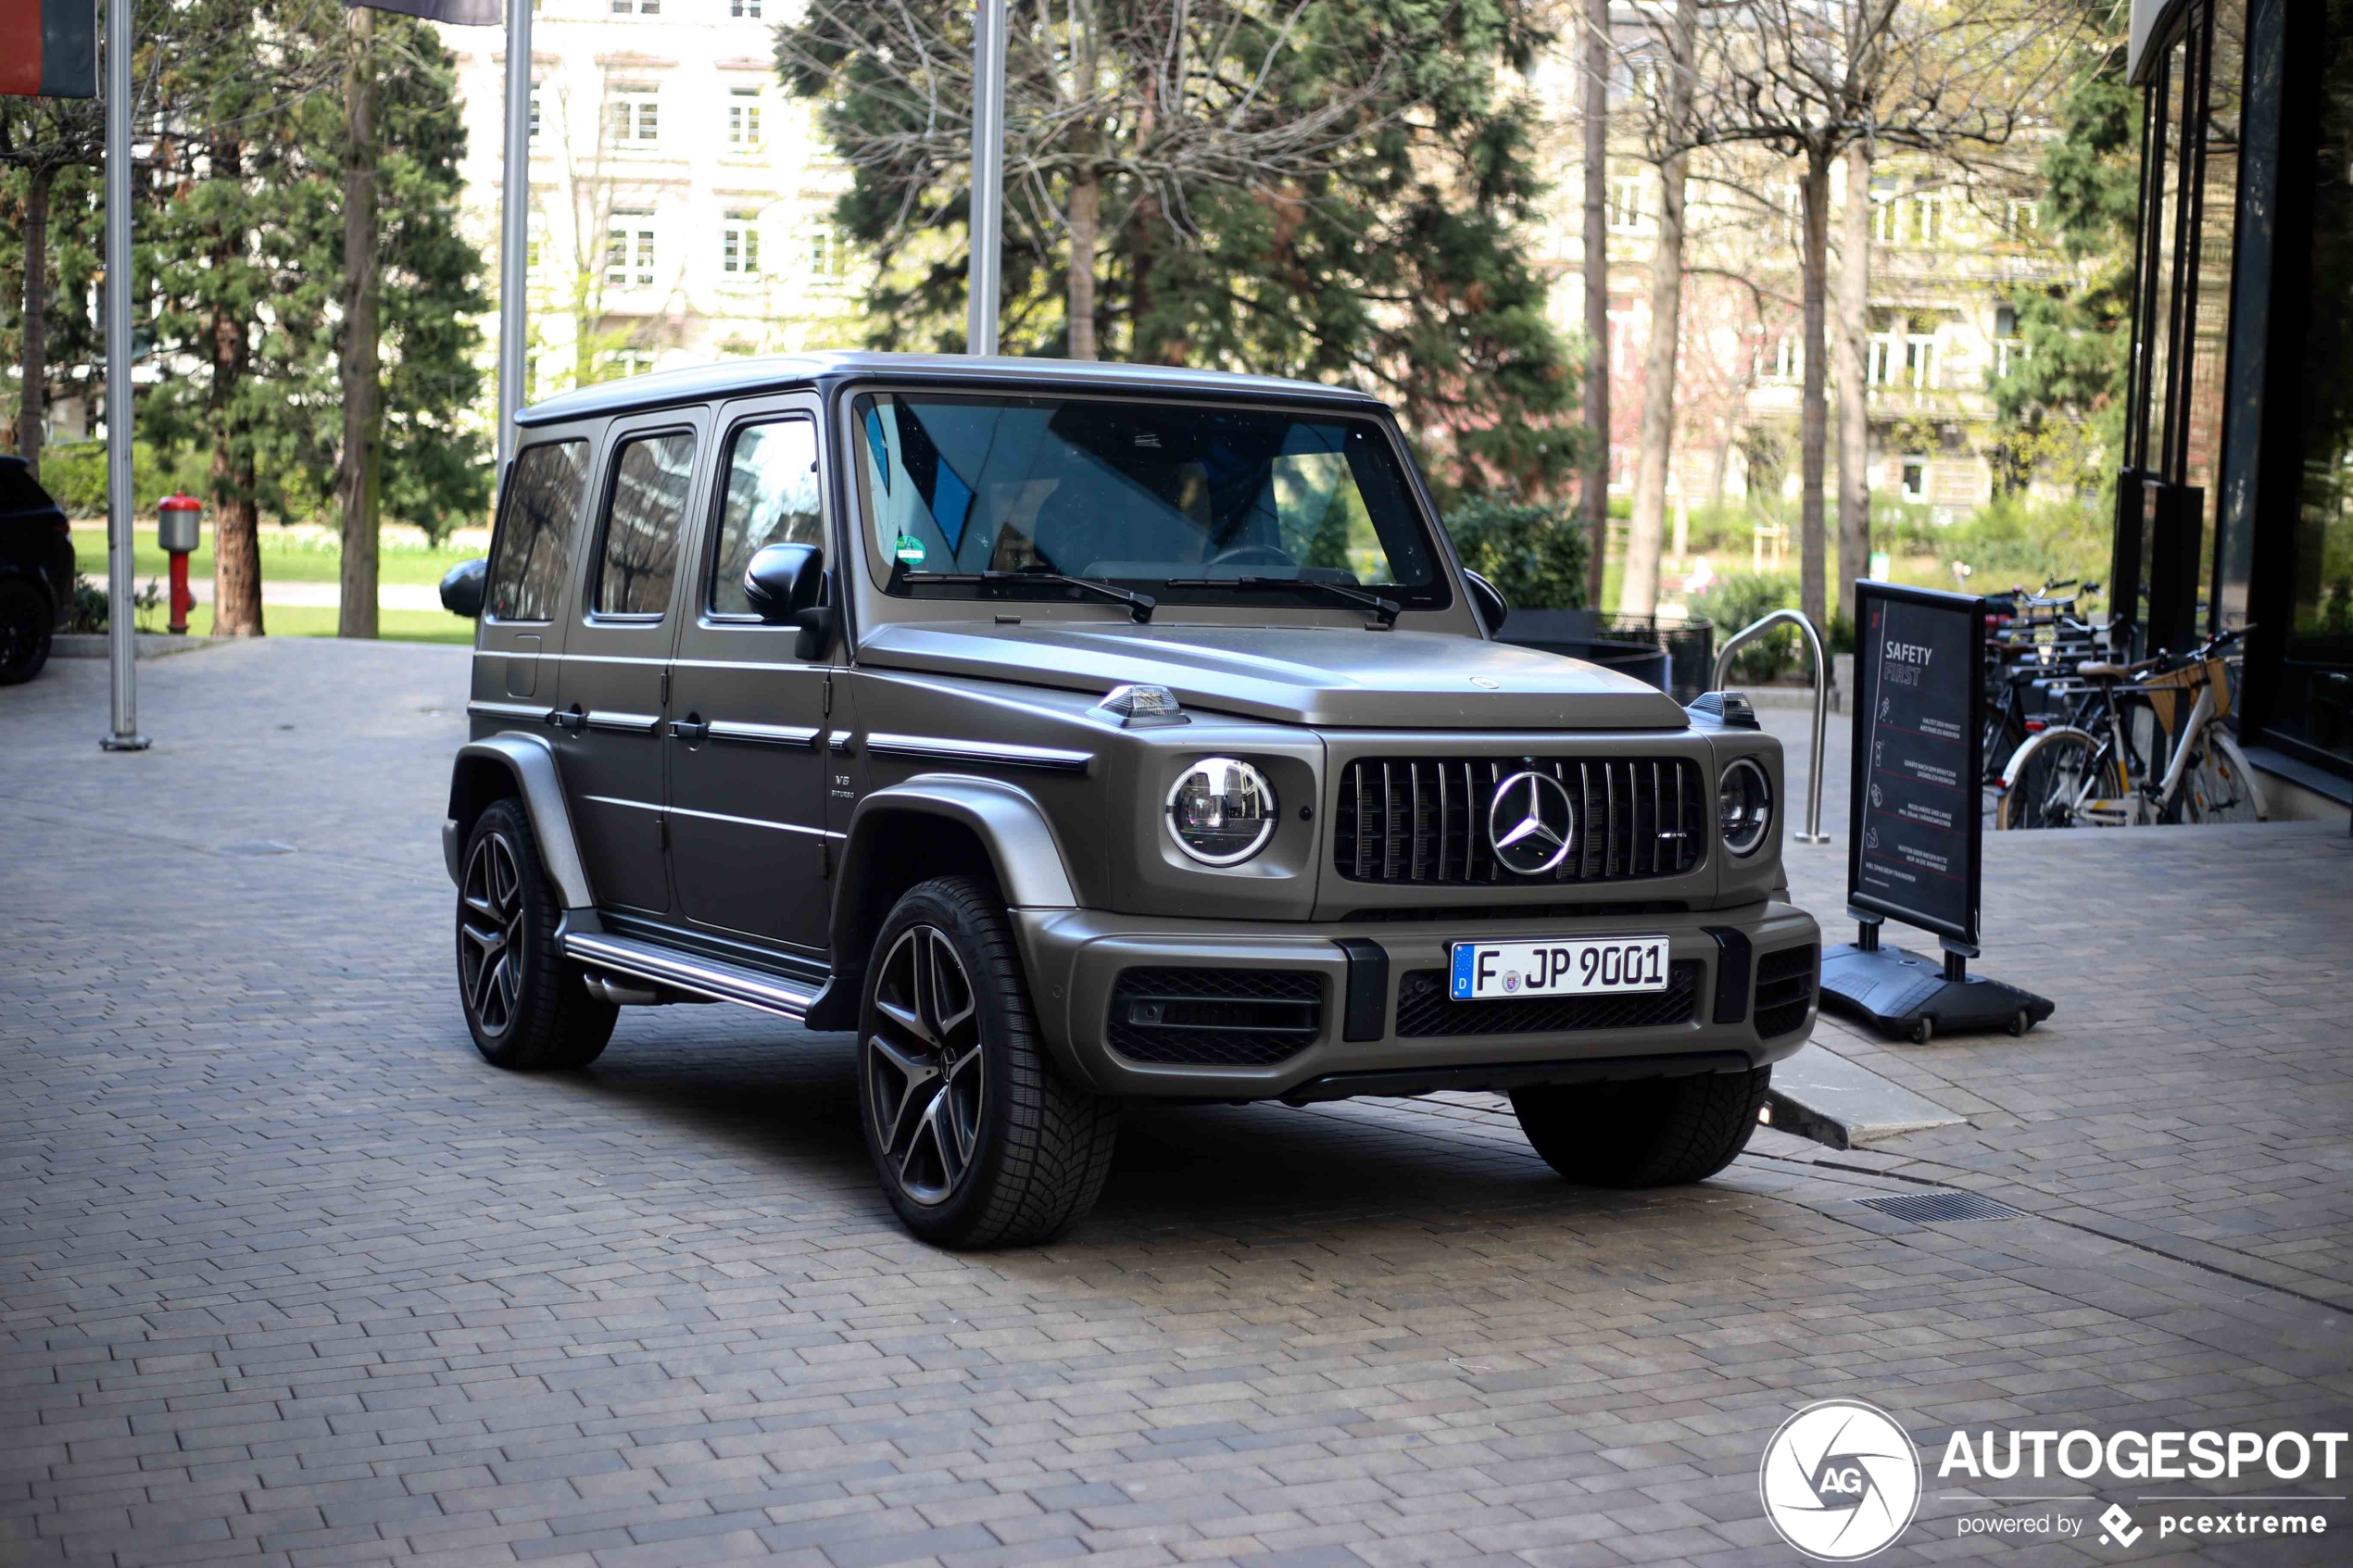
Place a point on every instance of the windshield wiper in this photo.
(1140, 606)
(1384, 610)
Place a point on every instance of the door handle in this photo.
(568, 718)
(691, 728)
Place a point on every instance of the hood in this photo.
(1340, 678)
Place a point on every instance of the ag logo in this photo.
(1840, 1480)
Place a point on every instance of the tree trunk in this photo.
(236, 533)
(1854, 380)
(1640, 595)
(1593, 491)
(1812, 417)
(33, 395)
(355, 480)
(1086, 197)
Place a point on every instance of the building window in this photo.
(2022, 220)
(620, 363)
(636, 117)
(1916, 479)
(1626, 204)
(827, 260)
(1919, 362)
(1915, 219)
(636, 8)
(1789, 358)
(743, 118)
(629, 250)
(739, 244)
(2009, 348)
(535, 114)
(746, 8)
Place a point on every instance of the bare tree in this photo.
(1854, 377)
(1593, 493)
(1811, 77)
(357, 479)
(1668, 136)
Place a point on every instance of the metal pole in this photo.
(121, 632)
(1813, 833)
(988, 175)
(514, 230)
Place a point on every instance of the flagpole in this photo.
(987, 221)
(514, 240)
(122, 630)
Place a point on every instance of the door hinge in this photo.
(664, 703)
(829, 696)
(825, 860)
(663, 821)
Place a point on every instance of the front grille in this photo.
(1214, 1017)
(1425, 1007)
(1784, 990)
(1423, 821)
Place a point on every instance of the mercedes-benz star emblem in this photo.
(1530, 822)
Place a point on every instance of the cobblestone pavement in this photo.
(288, 1275)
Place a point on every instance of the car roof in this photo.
(775, 372)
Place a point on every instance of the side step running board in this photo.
(720, 980)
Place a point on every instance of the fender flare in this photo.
(1011, 825)
(2034, 743)
(530, 761)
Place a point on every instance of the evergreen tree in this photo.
(1329, 189)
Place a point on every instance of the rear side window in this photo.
(649, 486)
(535, 539)
(771, 499)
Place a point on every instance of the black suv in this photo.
(37, 571)
(1085, 733)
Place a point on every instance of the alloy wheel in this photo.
(490, 934)
(922, 1076)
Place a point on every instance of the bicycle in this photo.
(2091, 772)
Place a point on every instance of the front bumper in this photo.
(1383, 1026)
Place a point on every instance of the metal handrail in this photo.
(1813, 833)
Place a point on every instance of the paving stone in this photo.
(288, 1275)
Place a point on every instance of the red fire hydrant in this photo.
(177, 529)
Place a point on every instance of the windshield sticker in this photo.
(910, 550)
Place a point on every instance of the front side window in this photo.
(771, 499)
(538, 513)
(649, 484)
(1203, 503)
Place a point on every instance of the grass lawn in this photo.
(319, 621)
(284, 558)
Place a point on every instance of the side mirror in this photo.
(1494, 608)
(784, 580)
(463, 589)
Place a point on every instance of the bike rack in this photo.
(1813, 833)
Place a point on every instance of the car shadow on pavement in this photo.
(1253, 1173)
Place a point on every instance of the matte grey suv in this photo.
(1083, 733)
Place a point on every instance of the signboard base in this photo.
(1913, 998)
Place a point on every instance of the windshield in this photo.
(1199, 502)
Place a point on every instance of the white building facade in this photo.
(680, 205)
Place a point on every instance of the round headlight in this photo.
(1222, 811)
(1744, 806)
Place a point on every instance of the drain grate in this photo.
(1941, 1208)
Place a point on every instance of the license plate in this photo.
(1565, 966)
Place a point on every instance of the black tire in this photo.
(28, 620)
(976, 1138)
(1658, 1131)
(525, 1005)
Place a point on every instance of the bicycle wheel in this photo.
(2058, 776)
(2219, 786)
